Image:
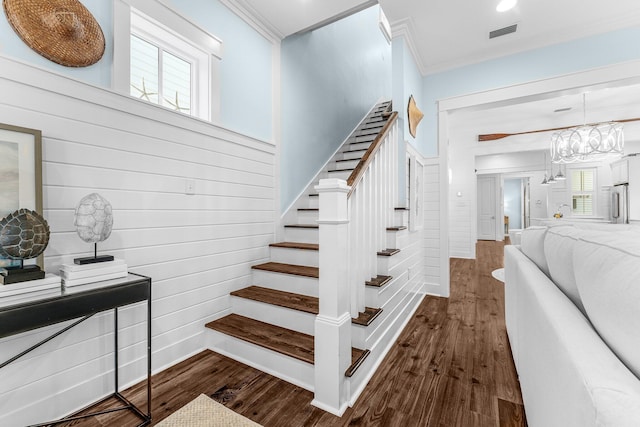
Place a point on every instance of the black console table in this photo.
(81, 303)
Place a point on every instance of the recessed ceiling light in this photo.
(505, 5)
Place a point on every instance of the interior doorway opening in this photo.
(516, 203)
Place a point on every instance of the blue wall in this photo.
(407, 81)
(246, 70)
(331, 77)
(563, 58)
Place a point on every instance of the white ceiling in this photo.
(452, 33)
(444, 34)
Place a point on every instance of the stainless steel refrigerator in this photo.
(620, 204)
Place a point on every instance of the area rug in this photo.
(205, 412)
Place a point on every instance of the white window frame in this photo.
(156, 22)
(593, 193)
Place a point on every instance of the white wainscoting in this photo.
(431, 232)
(196, 248)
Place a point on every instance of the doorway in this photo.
(516, 203)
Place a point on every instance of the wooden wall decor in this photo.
(414, 115)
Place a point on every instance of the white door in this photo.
(486, 208)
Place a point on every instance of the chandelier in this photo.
(587, 142)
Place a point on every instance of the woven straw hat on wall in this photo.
(63, 31)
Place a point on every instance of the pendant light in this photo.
(587, 142)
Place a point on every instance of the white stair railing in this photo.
(371, 203)
(353, 220)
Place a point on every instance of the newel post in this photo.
(333, 323)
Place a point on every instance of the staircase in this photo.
(273, 321)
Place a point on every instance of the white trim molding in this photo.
(404, 28)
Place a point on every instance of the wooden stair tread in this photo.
(301, 226)
(363, 150)
(285, 341)
(340, 170)
(397, 228)
(357, 358)
(400, 208)
(297, 270)
(388, 252)
(367, 317)
(299, 302)
(296, 245)
(281, 340)
(280, 298)
(379, 281)
(308, 209)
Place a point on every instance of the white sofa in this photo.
(572, 308)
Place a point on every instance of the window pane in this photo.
(582, 180)
(176, 83)
(144, 70)
(587, 180)
(582, 205)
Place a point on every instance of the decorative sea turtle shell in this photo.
(93, 218)
(24, 234)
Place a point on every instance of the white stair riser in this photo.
(281, 366)
(286, 282)
(346, 164)
(388, 265)
(352, 155)
(275, 315)
(404, 265)
(294, 256)
(307, 217)
(366, 138)
(358, 146)
(339, 174)
(301, 235)
(401, 217)
(366, 336)
(313, 202)
(373, 126)
(397, 239)
(378, 297)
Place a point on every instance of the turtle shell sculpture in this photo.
(24, 234)
(93, 218)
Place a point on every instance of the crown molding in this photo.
(249, 15)
(404, 28)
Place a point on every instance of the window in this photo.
(163, 58)
(582, 191)
(159, 76)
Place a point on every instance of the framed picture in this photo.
(416, 208)
(20, 173)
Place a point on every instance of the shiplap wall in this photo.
(196, 248)
(431, 233)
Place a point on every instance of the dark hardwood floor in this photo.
(451, 366)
